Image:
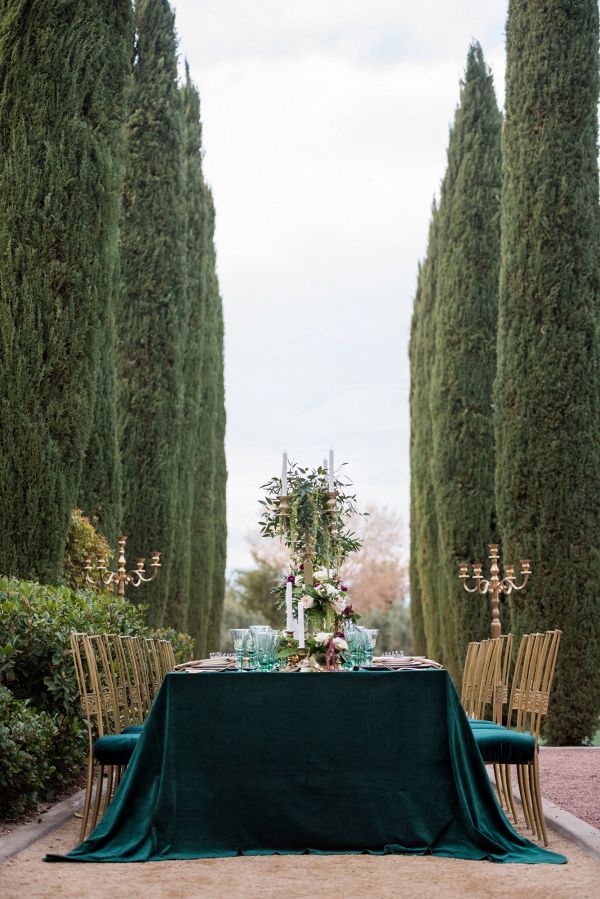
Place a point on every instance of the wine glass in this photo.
(371, 634)
(239, 636)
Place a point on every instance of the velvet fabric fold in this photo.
(257, 764)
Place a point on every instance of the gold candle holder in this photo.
(120, 578)
(495, 585)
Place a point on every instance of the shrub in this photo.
(83, 540)
(42, 740)
(36, 662)
(183, 644)
(26, 740)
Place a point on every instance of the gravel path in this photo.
(571, 779)
(278, 877)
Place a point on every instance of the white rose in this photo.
(308, 602)
(322, 574)
(340, 644)
(339, 605)
(321, 588)
(330, 590)
(323, 638)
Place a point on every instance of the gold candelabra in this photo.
(495, 585)
(121, 577)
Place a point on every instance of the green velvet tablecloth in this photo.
(248, 763)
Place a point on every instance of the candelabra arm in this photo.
(140, 577)
(520, 586)
(475, 589)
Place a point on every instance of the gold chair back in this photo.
(167, 656)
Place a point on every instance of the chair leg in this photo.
(534, 772)
(525, 798)
(109, 787)
(89, 782)
(98, 796)
(499, 786)
(508, 791)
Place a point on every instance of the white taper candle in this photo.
(284, 484)
(300, 624)
(289, 615)
(330, 472)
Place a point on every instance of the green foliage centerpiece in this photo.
(309, 510)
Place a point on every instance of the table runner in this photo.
(248, 763)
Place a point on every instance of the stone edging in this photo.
(26, 834)
(584, 835)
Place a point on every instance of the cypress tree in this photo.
(220, 479)
(424, 532)
(203, 515)
(64, 68)
(181, 592)
(100, 487)
(416, 605)
(152, 313)
(463, 367)
(547, 393)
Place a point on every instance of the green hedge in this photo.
(36, 666)
(27, 739)
(42, 732)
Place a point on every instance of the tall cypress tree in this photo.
(220, 477)
(182, 591)
(64, 68)
(416, 601)
(152, 312)
(547, 395)
(464, 364)
(424, 531)
(203, 516)
(100, 486)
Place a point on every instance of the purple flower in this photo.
(291, 579)
(344, 589)
(302, 567)
(348, 611)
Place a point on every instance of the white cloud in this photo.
(325, 131)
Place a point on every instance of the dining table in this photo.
(375, 761)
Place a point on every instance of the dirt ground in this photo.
(26, 876)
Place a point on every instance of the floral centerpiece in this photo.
(327, 604)
(309, 511)
(326, 650)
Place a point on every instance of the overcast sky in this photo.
(325, 132)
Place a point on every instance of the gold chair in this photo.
(141, 686)
(167, 656)
(153, 662)
(108, 749)
(517, 743)
(466, 693)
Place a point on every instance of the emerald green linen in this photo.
(250, 763)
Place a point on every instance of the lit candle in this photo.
(300, 624)
(331, 473)
(289, 617)
(284, 487)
